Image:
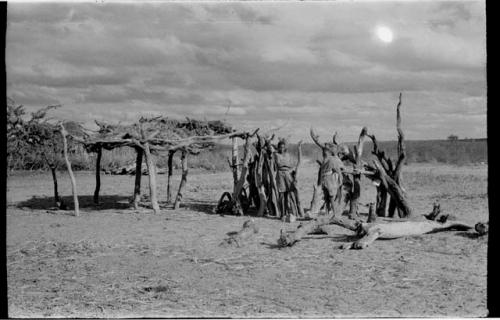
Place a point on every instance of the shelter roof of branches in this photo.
(161, 134)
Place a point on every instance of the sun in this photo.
(384, 34)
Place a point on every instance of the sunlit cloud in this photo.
(317, 63)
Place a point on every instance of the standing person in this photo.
(330, 177)
(285, 183)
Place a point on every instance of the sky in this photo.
(291, 65)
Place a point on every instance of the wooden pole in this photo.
(300, 210)
(259, 183)
(394, 191)
(234, 162)
(138, 177)
(70, 171)
(54, 179)
(274, 198)
(152, 178)
(239, 184)
(381, 203)
(184, 164)
(169, 178)
(97, 175)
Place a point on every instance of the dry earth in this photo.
(113, 261)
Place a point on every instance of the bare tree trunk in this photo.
(138, 177)
(169, 178)
(97, 175)
(184, 163)
(260, 184)
(54, 179)
(295, 191)
(394, 190)
(392, 208)
(273, 188)
(152, 178)
(290, 238)
(234, 162)
(372, 217)
(354, 196)
(262, 201)
(381, 201)
(70, 171)
(241, 180)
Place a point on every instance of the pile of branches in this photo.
(263, 191)
(259, 175)
(161, 133)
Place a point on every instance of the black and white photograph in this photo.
(246, 159)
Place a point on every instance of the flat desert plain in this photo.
(113, 261)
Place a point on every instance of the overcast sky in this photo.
(298, 64)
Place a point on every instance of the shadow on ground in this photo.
(207, 207)
(86, 202)
(469, 234)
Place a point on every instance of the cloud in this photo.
(305, 63)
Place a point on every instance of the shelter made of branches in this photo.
(158, 135)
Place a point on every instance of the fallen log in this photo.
(238, 239)
(370, 232)
(305, 228)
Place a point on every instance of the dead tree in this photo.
(256, 179)
(64, 133)
(269, 176)
(263, 191)
(397, 194)
(391, 170)
(354, 157)
(368, 232)
(237, 202)
(305, 228)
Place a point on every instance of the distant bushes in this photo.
(458, 152)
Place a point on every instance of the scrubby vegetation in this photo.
(457, 152)
(461, 152)
(28, 148)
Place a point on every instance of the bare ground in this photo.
(113, 261)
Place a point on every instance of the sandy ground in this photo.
(113, 261)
